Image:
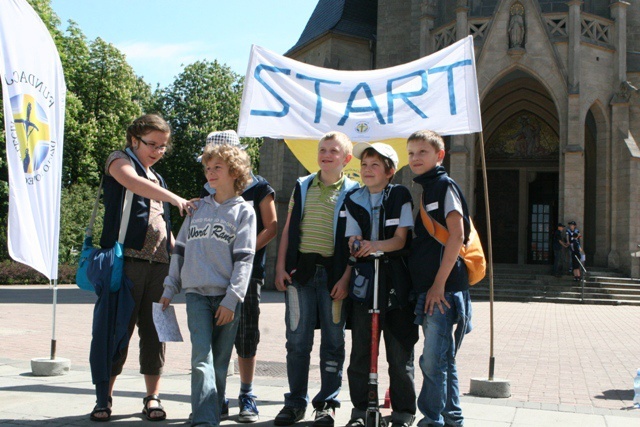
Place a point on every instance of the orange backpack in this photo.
(471, 252)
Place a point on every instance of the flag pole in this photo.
(492, 360)
(491, 387)
(53, 332)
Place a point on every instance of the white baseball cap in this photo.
(228, 137)
(385, 150)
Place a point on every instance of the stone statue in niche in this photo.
(516, 26)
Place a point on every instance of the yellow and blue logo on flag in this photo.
(32, 130)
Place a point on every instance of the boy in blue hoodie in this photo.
(212, 260)
(260, 195)
(379, 217)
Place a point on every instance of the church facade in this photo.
(560, 112)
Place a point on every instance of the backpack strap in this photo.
(433, 227)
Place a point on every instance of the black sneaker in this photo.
(224, 413)
(325, 416)
(288, 416)
(356, 422)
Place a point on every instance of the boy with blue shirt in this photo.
(312, 269)
(379, 217)
(440, 280)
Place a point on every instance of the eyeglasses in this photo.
(158, 148)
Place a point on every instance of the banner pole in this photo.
(489, 255)
(53, 332)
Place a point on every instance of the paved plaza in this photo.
(569, 365)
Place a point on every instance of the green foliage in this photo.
(103, 96)
(205, 97)
(76, 205)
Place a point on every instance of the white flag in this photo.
(284, 98)
(33, 92)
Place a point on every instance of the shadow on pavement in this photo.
(616, 395)
(74, 295)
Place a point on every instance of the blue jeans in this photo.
(439, 398)
(304, 305)
(211, 347)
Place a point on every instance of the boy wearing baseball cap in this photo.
(379, 217)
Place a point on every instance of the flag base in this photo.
(47, 367)
(496, 388)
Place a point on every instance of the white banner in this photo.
(33, 91)
(284, 98)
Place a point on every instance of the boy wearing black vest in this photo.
(440, 280)
(312, 269)
(379, 217)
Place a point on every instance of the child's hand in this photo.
(340, 289)
(165, 302)
(224, 316)
(366, 249)
(282, 280)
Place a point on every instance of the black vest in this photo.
(426, 252)
(340, 248)
(113, 198)
(394, 266)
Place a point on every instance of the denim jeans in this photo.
(211, 347)
(305, 304)
(400, 337)
(439, 398)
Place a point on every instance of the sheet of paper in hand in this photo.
(166, 323)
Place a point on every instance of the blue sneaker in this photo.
(248, 409)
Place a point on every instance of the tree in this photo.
(205, 97)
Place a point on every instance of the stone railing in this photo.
(556, 24)
(595, 28)
(478, 28)
(447, 34)
(444, 36)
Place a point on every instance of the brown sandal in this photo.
(149, 411)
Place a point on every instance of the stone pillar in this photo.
(619, 15)
(462, 23)
(622, 186)
(427, 21)
(574, 31)
(459, 164)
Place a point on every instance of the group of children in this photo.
(331, 227)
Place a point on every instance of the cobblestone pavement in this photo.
(563, 358)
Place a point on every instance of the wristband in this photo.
(352, 261)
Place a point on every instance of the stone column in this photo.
(427, 21)
(462, 23)
(621, 184)
(459, 164)
(574, 29)
(619, 39)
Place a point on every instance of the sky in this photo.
(160, 37)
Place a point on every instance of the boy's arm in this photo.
(269, 222)
(341, 288)
(282, 277)
(243, 252)
(435, 295)
(173, 282)
(389, 245)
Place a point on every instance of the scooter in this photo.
(374, 417)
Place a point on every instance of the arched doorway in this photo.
(520, 125)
